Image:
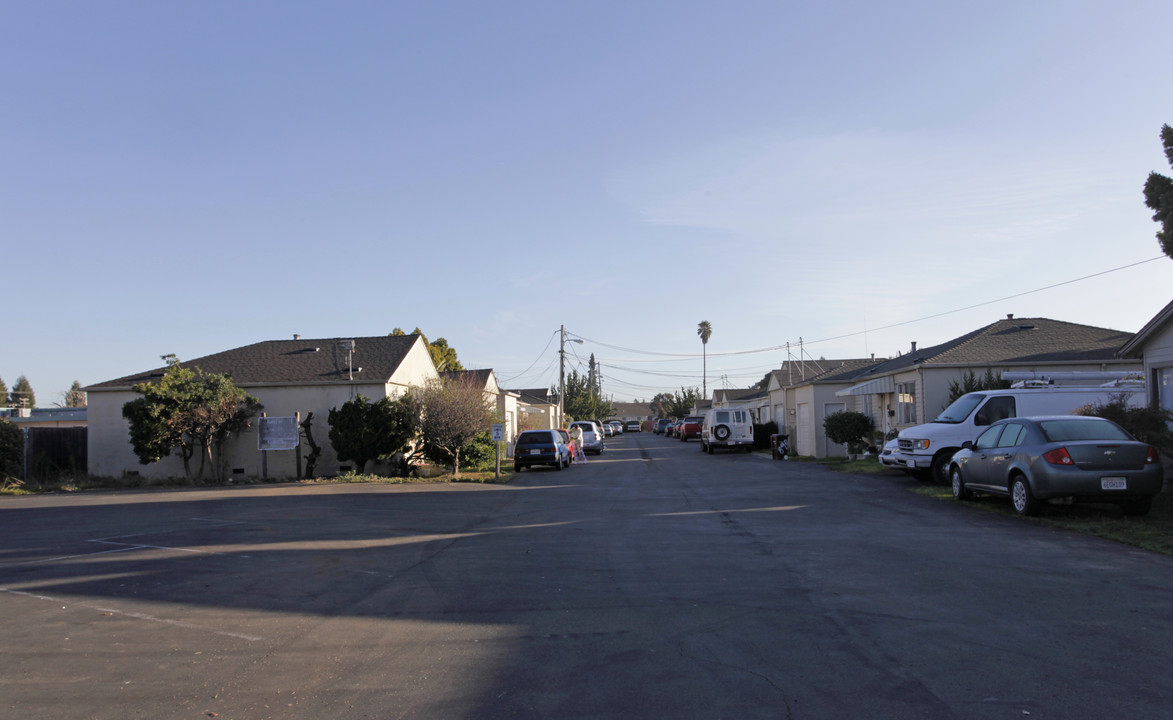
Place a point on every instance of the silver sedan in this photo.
(1066, 457)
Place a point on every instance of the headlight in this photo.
(920, 444)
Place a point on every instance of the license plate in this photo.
(1113, 483)
(535, 452)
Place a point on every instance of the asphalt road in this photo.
(653, 582)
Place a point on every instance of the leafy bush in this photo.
(362, 431)
(11, 451)
(850, 428)
(972, 383)
(762, 433)
(1147, 424)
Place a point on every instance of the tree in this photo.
(189, 411)
(1158, 195)
(675, 405)
(11, 452)
(75, 398)
(1148, 424)
(3, 393)
(455, 412)
(972, 383)
(582, 401)
(22, 394)
(705, 330)
(443, 356)
(362, 430)
(850, 428)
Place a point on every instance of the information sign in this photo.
(498, 432)
(278, 433)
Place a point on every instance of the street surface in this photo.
(653, 582)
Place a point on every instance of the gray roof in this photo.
(480, 378)
(293, 362)
(1134, 347)
(539, 396)
(1016, 341)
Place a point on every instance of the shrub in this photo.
(850, 428)
(11, 451)
(762, 433)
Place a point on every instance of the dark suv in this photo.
(540, 447)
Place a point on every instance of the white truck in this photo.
(925, 450)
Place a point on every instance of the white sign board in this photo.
(498, 432)
(278, 433)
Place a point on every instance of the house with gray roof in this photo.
(803, 394)
(1153, 345)
(291, 378)
(504, 402)
(914, 387)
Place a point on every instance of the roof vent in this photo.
(1009, 316)
(1025, 326)
(296, 336)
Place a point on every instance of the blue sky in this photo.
(191, 177)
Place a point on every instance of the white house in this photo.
(1154, 346)
(291, 378)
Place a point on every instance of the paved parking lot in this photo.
(654, 581)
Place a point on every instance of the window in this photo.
(1012, 436)
(998, 408)
(989, 438)
(722, 416)
(906, 403)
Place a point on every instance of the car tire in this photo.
(939, 471)
(516, 468)
(710, 448)
(1137, 507)
(721, 432)
(1021, 497)
(959, 490)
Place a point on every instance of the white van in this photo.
(727, 427)
(926, 449)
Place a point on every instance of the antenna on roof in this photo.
(347, 346)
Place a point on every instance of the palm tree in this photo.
(705, 330)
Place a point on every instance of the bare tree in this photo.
(456, 410)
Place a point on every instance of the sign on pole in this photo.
(278, 433)
(498, 432)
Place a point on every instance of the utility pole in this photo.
(562, 375)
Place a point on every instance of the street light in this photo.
(562, 374)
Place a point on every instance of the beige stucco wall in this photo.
(111, 455)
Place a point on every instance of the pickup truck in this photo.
(691, 428)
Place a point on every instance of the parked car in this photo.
(592, 436)
(540, 447)
(616, 425)
(632, 426)
(608, 431)
(1036, 459)
(662, 423)
(887, 455)
(727, 427)
(926, 450)
(690, 427)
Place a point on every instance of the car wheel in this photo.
(721, 432)
(940, 468)
(710, 448)
(516, 468)
(1022, 498)
(1137, 507)
(558, 465)
(959, 491)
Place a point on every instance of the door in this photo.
(803, 444)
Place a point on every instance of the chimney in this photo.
(296, 336)
(1009, 316)
(913, 347)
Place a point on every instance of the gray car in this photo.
(592, 436)
(1032, 460)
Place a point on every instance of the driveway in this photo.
(655, 581)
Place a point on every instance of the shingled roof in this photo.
(294, 362)
(1016, 341)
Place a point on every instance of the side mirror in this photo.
(967, 445)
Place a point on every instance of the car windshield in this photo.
(1066, 430)
(533, 438)
(960, 409)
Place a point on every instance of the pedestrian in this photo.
(576, 436)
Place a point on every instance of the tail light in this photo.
(1058, 456)
(1152, 457)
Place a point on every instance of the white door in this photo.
(803, 443)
